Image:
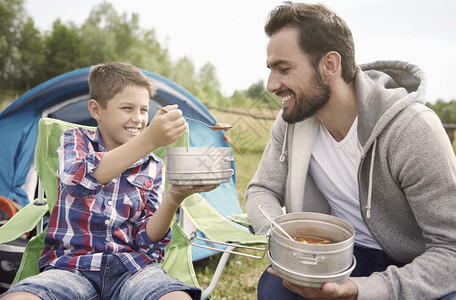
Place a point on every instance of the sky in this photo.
(229, 34)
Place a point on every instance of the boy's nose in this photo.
(136, 117)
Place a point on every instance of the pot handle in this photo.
(309, 260)
(231, 246)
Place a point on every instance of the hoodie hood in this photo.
(383, 89)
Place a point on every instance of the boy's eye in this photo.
(144, 110)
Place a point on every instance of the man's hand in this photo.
(330, 290)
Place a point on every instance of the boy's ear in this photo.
(94, 109)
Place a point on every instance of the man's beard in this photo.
(308, 103)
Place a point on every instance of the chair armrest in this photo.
(22, 222)
(241, 219)
(215, 226)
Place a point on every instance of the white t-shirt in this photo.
(334, 167)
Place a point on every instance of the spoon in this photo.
(265, 213)
(218, 126)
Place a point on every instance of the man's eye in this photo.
(284, 70)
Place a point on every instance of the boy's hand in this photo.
(160, 221)
(166, 127)
(178, 193)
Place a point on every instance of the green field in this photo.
(249, 137)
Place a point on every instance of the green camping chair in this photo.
(178, 261)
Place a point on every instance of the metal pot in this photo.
(198, 165)
(312, 260)
(315, 281)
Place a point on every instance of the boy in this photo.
(110, 225)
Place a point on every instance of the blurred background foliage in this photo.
(29, 57)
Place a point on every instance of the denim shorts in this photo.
(113, 281)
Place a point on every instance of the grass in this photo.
(249, 137)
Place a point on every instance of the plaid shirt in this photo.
(91, 219)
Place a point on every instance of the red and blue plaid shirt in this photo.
(91, 219)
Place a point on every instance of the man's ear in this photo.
(330, 65)
(94, 109)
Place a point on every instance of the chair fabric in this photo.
(23, 221)
(29, 261)
(209, 221)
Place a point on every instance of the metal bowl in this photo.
(312, 259)
(198, 165)
(308, 280)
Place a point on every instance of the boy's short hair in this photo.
(108, 79)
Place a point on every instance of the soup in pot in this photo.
(311, 240)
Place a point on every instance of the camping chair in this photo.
(178, 262)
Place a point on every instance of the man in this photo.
(360, 144)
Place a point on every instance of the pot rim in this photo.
(198, 150)
(230, 171)
(317, 217)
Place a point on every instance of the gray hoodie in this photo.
(406, 179)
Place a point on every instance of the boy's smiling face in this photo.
(124, 117)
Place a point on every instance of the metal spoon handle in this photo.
(187, 118)
(217, 127)
(266, 214)
(196, 121)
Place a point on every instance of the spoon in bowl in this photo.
(217, 126)
(265, 213)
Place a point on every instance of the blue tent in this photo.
(65, 97)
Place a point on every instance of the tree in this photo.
(445, 110)
(109, 36)
(147, 53)
(208, 85)
(97, 40)
(239, 99)
(207, 78)
(184, 74)
(28, 57)
(30, 63)
(11, 24)
(64, 50)
(256, 90)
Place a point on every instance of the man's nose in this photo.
(273, 83)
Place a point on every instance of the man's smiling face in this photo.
(293, 78)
